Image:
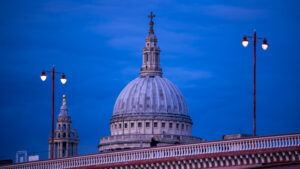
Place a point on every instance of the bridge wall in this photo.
(240, 153)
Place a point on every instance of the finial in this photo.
(151, 23)
(64, 99)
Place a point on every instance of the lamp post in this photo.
(264, 46)
(63, 80)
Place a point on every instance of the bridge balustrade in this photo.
(255, 143)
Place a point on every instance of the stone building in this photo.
(149, 107)
(66, 139)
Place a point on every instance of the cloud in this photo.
(233, 13)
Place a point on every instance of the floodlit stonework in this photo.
(66, 139)
(149, 106)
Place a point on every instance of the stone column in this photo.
(49, 154)
(61, 149)
(58, 150)
(152, 125)
(56, 147)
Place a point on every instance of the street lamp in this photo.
(264, 46)
(63, 80)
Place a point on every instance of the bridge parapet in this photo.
(211, 148)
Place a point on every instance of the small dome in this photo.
(151, 97)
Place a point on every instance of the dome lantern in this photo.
(151, 53)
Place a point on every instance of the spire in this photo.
(64, 99)
(64, 133)
(151, 53)
(64, 109)
(151, 23)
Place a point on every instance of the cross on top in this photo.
(151, 16)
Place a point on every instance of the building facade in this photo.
(66, 139)
(149, 107)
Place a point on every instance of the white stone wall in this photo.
(151, 127)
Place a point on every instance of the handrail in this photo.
(254, 143)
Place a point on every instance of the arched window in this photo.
(58, 135)
(59, 127)
(64, 127)
(64, 135)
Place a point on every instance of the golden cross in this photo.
(151, 16)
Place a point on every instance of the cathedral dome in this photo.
(150, 97)
(149, 107)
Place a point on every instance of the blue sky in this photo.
(98, 44)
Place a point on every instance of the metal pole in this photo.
(52, 138)
(254, 85)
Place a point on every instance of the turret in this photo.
(66, 139)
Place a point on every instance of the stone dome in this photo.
(150, 97)
(149, 107)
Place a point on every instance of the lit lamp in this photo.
(245, 42)
(63, 80)
(264, 46)
(43, 76)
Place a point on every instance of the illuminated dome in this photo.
(148, 97)
(149, 107)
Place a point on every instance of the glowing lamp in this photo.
(63, 79)
(43, 76)
(265, 45)
(245, 42)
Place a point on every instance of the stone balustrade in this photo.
(184, 150)
(145, 138)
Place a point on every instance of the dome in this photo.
(149, 107)
(151, 97)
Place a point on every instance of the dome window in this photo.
(139, 124)
(64, 127)
(147, 124)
